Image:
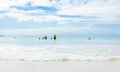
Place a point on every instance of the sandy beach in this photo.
(68, 66)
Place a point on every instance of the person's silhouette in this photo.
(54, 36)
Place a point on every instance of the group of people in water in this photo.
(54, 37)
(45, 37)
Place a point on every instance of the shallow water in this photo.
(64, 48)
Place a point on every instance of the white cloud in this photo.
(6, 4)
(41, 2)
(107, 11)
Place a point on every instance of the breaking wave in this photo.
(50, 53)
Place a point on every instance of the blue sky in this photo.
(97, 17)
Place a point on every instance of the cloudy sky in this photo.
(60, 16)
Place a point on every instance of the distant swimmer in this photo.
(55, 36)
(39, 38)
(45, 37)
(89, 38)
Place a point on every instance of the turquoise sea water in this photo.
(64, 48)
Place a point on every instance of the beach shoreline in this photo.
(60, 66)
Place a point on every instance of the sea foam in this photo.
(50, 53)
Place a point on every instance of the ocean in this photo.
(68, 48)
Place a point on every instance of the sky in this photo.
(34, 17)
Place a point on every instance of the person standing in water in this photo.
(54, 36)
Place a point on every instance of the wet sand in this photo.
(67, 66)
